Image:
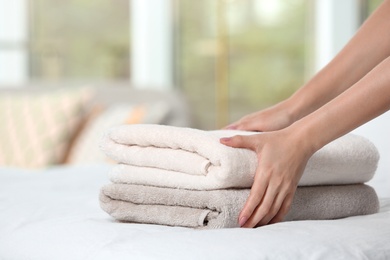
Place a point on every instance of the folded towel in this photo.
(220, 208)
(168, 156)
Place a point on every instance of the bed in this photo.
(55, 214)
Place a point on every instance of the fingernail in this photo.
(232, 127)
(225, 139)
(242, 221)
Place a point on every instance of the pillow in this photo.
(36, 128)
(86, 147)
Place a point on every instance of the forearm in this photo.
(364, 101)
(366, 49)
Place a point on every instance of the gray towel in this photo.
(220, 208)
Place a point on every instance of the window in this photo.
(79, 40)
(241, 56)
(371, 5)
(13, 41)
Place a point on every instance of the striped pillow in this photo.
(36, 128)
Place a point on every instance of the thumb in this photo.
(240, 141)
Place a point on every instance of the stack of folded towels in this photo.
(185, 177)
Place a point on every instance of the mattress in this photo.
(55, 214)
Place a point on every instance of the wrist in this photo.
(304, 137)
(292, 109)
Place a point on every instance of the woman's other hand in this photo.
(270, 119)
(282, 157)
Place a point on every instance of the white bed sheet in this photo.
(54, 214)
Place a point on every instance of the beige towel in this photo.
(220, 208)
(168, 156)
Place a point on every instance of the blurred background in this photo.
(227, 58)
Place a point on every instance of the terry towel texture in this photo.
(220, 208)
(187, 158)
(185, 177)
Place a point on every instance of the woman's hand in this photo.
(282, 157)
(270, 119)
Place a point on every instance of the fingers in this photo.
(238, 125)
(280, 208)
(233, 126)
(245, 124)
(273, 205)
(249, 125)
(265, 215)
(254, 199)
(283, 210)
(241, 141)
(262, 209)
(269, 205)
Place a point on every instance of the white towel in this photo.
(187, 158)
